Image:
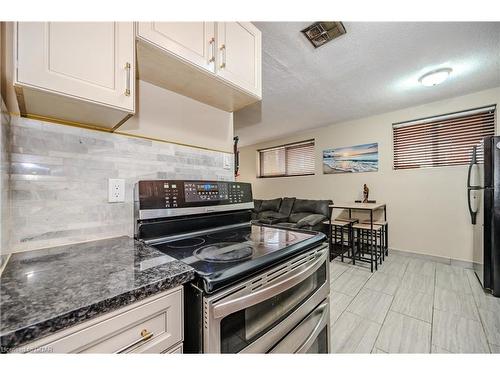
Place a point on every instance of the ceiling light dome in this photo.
(435, 77)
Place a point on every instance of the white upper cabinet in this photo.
(239, 60)
(217, 63)
(93, 61)
(192, 41)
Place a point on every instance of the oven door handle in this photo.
(323, 321)
(295, 277)
(314, 323)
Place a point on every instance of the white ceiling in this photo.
(372, 69)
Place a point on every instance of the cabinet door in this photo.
(192, 41)
(94, 61)
(239, 55)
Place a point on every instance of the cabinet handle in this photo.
(223, 53)
(145, 336)
(127, 89)
(211, 43)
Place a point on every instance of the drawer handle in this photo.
(127, 89)
(145, 336)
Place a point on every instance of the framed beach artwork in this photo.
(360, 158)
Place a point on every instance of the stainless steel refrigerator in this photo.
(483, 194)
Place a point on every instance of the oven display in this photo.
(205, 192)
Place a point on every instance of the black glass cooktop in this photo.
(221, 257)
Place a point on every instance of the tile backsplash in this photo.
(59, 180)
(4, 177)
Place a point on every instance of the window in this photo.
(443, 140)
(295, 159)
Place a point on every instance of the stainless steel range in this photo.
(258, 289)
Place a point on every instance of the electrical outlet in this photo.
(116, 190)
(226, 161)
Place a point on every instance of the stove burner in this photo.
(224, 252)
(222, 235)
(185, 243)
(271, 238)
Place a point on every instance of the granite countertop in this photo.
(44, 291)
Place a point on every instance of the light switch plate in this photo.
(116, 190)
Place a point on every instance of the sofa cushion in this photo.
(273, 218)
(257, 203)
(287, 206)
(311, 206)
(275, 215)
(271, 205)
(296, 217)
(265, 214)
(311, 220)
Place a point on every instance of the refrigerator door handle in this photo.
(471, 165)
(472, 211)
(470, 188)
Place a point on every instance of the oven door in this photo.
(312, 335)
(253, 316)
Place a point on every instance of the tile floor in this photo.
(411, 305)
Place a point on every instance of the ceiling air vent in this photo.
(320, 33)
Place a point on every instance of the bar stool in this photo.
(384, 233)
(340, 238)
(367, 240)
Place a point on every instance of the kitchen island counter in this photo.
(48, 290)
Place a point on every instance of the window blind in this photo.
(272, 162)
(442, 140)
(296, 159)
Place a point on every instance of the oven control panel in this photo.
(178, 194)
(171, 194)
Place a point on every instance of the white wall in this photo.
(163, 114)
(427, 208)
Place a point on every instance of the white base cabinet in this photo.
(153, 325)
(177, 350)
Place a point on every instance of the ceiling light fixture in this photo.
(435, 77)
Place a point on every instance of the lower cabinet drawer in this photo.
(157, 330)
(150, 326)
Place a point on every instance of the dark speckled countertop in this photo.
(44, 291)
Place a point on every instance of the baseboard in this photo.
(434, 258)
